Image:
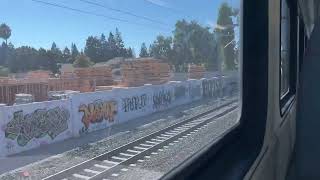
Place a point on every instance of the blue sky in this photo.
(38, 25)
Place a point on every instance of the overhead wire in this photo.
(95, 14)
(123, 12)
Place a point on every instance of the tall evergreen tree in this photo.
(104, 51)
(56, 52)
(130, 53)
(74, 52)
(66, 55)
(121, 51)
(143, 51)
(93, 49)
(112, 46)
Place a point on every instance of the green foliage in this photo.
(82, 61)
(101, 50)
(227, 34)
(5, 32)
(66, 55)
(130, 53)
(189, 43)
(161, 48)
(4, 72)
(74, 52)
(144, 51)
(93, 49)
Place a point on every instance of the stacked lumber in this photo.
(66, 75)
(101, 75)
(196, 71)
(4, 80)
(144, 71)
(39, 74)
(10, 87)
(75, 84)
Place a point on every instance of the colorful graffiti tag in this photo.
(98, 111)
(211, 88)
(38, 124)
(162, 99)
(134, 103)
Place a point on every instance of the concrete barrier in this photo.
(28, 126)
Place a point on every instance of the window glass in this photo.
(285, 48)
(115, 89)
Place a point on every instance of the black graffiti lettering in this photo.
(134, 103)
(162, 99)
(211, 88)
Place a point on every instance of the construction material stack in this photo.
(102, 75)
(196, 71)
(144, 71)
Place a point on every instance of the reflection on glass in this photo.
(285, 48)
(85, 77)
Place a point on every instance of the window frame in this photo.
(219, 158)
(287, 99)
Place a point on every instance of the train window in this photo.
(288, 55)
(118, 89)
(285, 49)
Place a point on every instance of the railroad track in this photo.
(111, 163)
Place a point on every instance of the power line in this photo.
(91, 13)
(175, 11)
(161, 6)
(124, 12)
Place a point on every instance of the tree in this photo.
(120, 49)
(92, 49)
(104, 50)
(66, 55)
(74, 52)
(5, 32)
(161, 47)
(4, 72)
(82, 61)
(129, 53)
(2, 54)
(24, 59)
(226, 34)
(144, 51)
(112, 46)
(56, 52)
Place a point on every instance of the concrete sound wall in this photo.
(28, 126)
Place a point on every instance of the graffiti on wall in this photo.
(195, 91)
(180, 92)
(134, 103)
(37, 124)
(96, 112)
(162, 99)
(211, 88)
